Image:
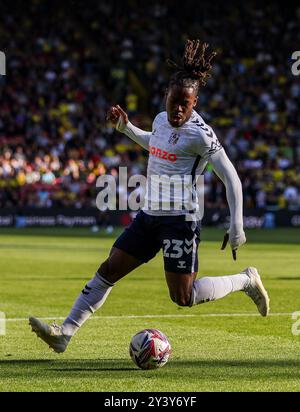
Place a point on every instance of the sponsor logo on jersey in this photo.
(162, 154)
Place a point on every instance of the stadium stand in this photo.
(67, 62)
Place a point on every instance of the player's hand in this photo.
(117, 116)
(236, 238)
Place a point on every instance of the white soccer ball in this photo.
(150, 349)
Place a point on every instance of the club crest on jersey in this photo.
(174, 138)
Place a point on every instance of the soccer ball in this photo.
(150, 349)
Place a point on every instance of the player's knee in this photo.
(182, 300)
(105, 271)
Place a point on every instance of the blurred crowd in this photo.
(67, 62)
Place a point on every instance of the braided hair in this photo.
(196, 66)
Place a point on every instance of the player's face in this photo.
(180, 104)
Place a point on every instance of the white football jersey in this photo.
(177, 156)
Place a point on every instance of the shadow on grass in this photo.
(73, 365)
(205, 367)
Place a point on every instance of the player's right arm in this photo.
(119, 118)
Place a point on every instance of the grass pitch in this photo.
(221, 346)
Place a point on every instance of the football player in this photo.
(180, 144)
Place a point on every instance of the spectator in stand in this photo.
(67, 64)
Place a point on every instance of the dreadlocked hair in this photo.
(196, 66)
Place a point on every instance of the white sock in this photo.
(214, 288)
(91, 299)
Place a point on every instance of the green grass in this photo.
(43, 270)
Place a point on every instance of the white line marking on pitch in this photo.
(204, 315)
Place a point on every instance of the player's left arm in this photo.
(210, 149)
(228, 174)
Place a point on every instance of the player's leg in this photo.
(181, 266)
(186, 290)
(209, 289)
(180, 287)
(92, 297)
(133, 248)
